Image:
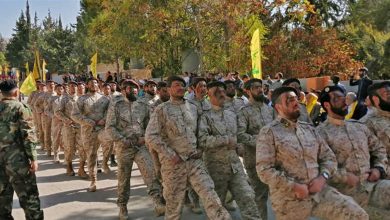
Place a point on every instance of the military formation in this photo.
(222, 146)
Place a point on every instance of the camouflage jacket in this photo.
(31, 99)
(201, 105)
(64, 109)
(235, 104)
(354, 146)
(120, 123)
(39, 103)
(288, 153)
(172, 129)
(141, 110)
(89, 109)
(16, 128)
(251, 119)
(50, 105)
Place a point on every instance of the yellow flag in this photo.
(27, 69)
(256, 55)
(17, 75)
(28, 85)
(1, 69)
(94, 65)
(44, 70)
(36, 73)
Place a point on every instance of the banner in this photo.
(44, 70)
(256, 55)
(36, 72)
(28, 85)
(94, 65)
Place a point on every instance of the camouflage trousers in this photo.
(15, 176)
(91, 143)
(234, 180)
(41, 134)
(261, 189)
(107, 145)
(72, 141)
(371, 194)
(126, 155)
(56, 132)
(176, 180)
(46, 124)
(327, 204)
(37, 122)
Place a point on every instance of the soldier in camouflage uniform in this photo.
(38, 114)
(379, 121)
(30, 101)
(232, 103)
(41, 106)
(18, 156)
(217, 137)
(355, 147)
(90, 112)
(295, 162)
(71, 132)
(296, 84)
(171, 133)
(126, 132)
(56, 123)
(251, 119)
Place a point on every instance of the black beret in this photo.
(8, 85)
(171, 79)
(248, 84)
(374, 87)
(229, 82)
(291, 80)
(196, 80)
(324, 95)
(149, 82)
(128, 82)
(279, 91)
(216, 84)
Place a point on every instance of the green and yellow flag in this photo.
(28, 85)
(44, 70)
(36, 69)
(27, 69)
(94, 65)
(256, 55)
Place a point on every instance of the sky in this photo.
(10, 11)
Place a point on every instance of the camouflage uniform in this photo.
(121, 127)
(289, 153)
(250, 120)
(41, 104)
(56, 125)
(37, 106)
(379, 123)
(234, 104)
(71, 131)
(87, 111)
(354, 146)
(216, 127)
(17, 149)
(171, 132)
(30, 102)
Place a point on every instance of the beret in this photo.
(279, 91)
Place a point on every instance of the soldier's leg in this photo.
(244, 195)
(107, 150)
(24, 184)
(82, 151)
(380, 196)
(261, 191)
(174, 187)
(289, 208)
(69, 140)
(336, 206)
(6, 194)
(203, 185)
(220, 174)
(145, 165)
(41, 131)
(56, 137)
(47, 127)
(92, 143)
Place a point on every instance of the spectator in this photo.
(364, 82)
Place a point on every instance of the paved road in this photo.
(66, 198)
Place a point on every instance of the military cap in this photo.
(213, 84)
(229, 82)
(248, 84)
(374, 87)
(279, 91)
(130, 82)
(8, 85)
(324, 95)
(149, 82)
(291, 80)
(73, 82)
(363, 69)
(171, 79)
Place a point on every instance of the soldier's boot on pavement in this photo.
(159, 207)
(195, 206)
(106, 168)
(229, 202)
(112, 161)
(69, 169)
(81, 173)
(56, 158)
(123, 214)
(92, 187)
